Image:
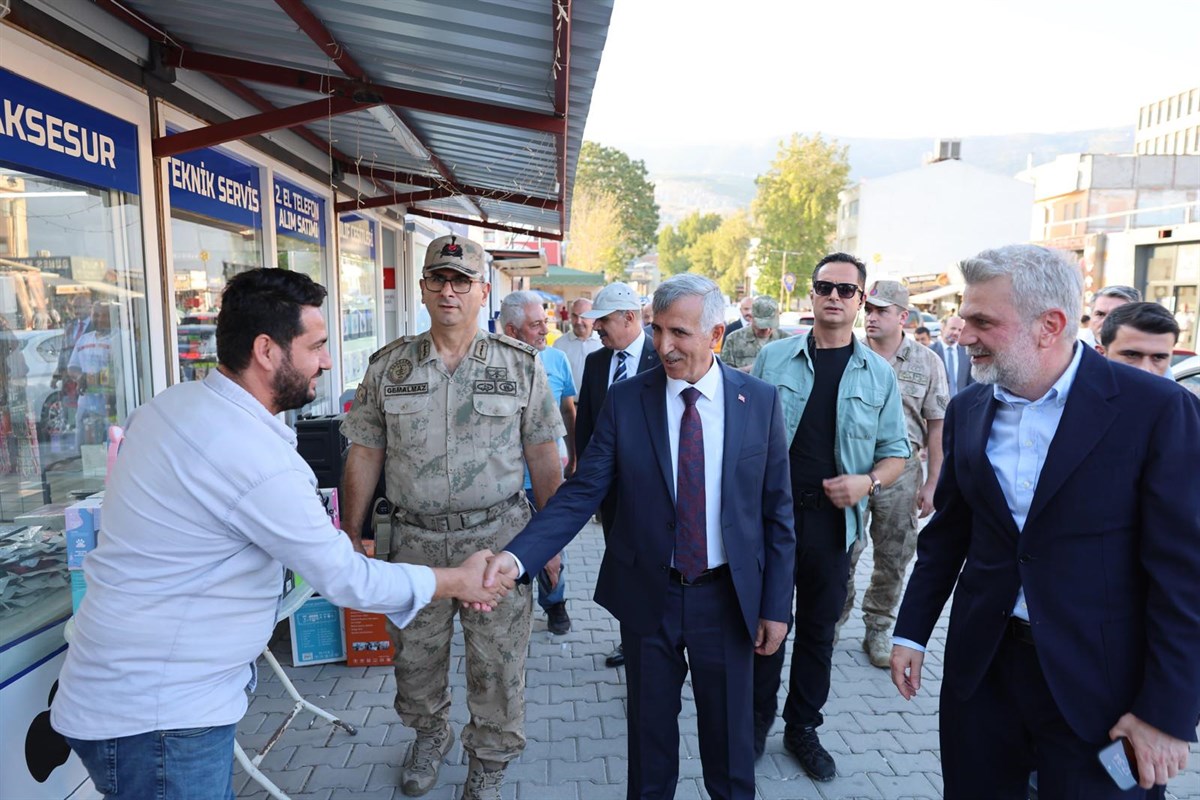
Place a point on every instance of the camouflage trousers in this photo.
(893, 527)
(496, 644)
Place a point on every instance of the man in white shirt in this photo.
(580, 341)
(206, 503)
(953, 355)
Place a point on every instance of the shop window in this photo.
(358, 275)
(300, 246)
(216, 232)
(74, 345)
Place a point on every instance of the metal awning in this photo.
(469, 112)
(937, 294)
(565, 276)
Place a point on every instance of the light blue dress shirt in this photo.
(1017, 447)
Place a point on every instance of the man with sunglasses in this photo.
(843, 418)
(452, 416)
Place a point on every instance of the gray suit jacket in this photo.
(964, 365)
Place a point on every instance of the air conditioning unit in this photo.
(947, 150)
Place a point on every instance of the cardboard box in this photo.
(82, 526)
(78, 588)
(317, 634)
(368, 643)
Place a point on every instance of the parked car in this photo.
(1179, 354)
(796, 323)
(1188, 373)
(40, 351)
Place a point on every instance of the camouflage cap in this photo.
(457, 253)
(765, 312)
(888, 293)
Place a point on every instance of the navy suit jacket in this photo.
(592, 390)
(964, 362)
(1109, 556)
(630, 453)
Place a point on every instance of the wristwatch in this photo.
(876, 486)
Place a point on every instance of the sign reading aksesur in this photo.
(49, 133)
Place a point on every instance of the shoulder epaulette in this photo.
(387, 348)
(517, 343)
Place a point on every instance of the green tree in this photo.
(674, 244)
(796, 208)
(595, 231)
(607, 170)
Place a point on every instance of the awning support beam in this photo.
(498, 226)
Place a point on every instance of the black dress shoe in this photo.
(806, 747)
(616, 658)
(558, 621)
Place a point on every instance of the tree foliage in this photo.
(708, 245)
(607, 170)
(674, 243)
(796, 208)
(595, 232)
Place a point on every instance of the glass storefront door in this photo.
(357, 281)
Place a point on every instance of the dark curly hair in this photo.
(262, 301)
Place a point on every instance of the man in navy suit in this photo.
(627, 351)
(1070, 501)
(700, 556)
(953, 355)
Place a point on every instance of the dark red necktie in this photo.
(691, 539)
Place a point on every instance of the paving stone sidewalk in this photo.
(885, 748)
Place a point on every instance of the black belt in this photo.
(456, 522)
(708, 576)
(1020, 630)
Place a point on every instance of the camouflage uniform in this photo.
(454, 470)
(741, 347)
(925, 393)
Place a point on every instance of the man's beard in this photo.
(290, 388)
(1012, 368)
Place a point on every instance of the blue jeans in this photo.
(546, 596)
(185, 764)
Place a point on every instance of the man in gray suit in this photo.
(953, 354)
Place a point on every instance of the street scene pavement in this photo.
(886, 748)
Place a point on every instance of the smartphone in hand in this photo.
(1118, 761)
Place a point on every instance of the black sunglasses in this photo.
(844, 290)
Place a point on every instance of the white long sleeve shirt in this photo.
(207, 500)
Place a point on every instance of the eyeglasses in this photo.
(461, 284)
(844, 290)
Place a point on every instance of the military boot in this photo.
(483, 780)
(879, 648)
(423, 760)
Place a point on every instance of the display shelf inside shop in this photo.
(35, 587)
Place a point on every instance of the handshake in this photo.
(480, 582)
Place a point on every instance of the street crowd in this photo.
(736, 495)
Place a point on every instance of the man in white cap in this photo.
(627, 351)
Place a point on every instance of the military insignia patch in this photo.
(423, 350)
(481, 349)
(485, 387)
(360, 394)
(496, 373)
(913, 377)
(408, 388)
(506, 387)
(399, 370)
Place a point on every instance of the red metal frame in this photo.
(394, 199)
(562, 94)
(292, 116)
(420, 212)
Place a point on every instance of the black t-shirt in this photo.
(811, 452)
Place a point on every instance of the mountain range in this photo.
(720, 177)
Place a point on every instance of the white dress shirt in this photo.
(634, 352)
(577, 351)
(206, 499)
(711, 405)
(1017, 448)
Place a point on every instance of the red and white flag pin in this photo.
(741, 398)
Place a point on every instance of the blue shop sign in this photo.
(52, 134)
(356, 236)
(214, 184)
(299, 213)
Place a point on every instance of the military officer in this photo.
(925, 393)
(741, 347)
(451, 416)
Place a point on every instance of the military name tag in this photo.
(914, 377)
(409, 388)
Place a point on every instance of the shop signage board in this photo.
(47, 132)
(299, 213)
(317, 633)
(214, 184)
(356, 235)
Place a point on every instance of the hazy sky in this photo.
(702, 71)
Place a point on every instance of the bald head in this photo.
(582, 328)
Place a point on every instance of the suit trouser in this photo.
(496, 644)
(1011, 726)
(705, 623)
(893, 527)
(822, 564)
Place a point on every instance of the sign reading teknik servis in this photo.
(47, 132)
(214, 184)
